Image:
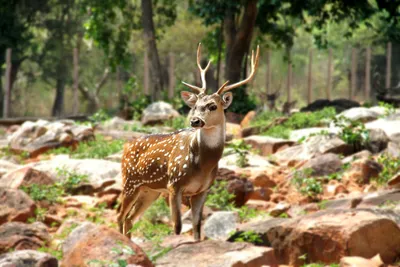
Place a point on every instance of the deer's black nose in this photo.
(196, 122)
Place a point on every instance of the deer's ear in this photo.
(227, 100)
(189, 98)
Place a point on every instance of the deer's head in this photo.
(208, 110)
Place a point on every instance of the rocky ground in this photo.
(322, 195)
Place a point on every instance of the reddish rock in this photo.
(362, 171)
(109, 200)
(394, 182)
(267, 145)
(260, 193)
(25, 176)
(260, 204)
(15, 205)
(261, 178)
(248, 119)
(19, 236)
(91, 242)
(277, 197)
(242, 189)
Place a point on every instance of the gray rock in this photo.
(27, 258)
(378, 140)
(393, 149)
(360, 114)
(158, 112)
(100, 173)
(390, 125)
(220, 224)
(364, 154)
(324, 164)
(213, 253)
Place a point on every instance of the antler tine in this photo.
(199, 90)
(202, 71)
(254, 65)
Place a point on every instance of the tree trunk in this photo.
(238, 40)
(156, 81)
(58, 106)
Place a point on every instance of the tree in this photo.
(16, 19)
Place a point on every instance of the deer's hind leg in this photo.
(144, 200)
(128, 198)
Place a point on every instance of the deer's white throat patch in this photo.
(211, 137)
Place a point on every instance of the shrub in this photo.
(248, 236)
(352, 132)
(240, 148)
(389, 108)
(391, 166)
(219, 197)
(306, 185)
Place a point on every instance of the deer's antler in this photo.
(202, 73)
(254, 65)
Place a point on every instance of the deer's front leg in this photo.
(175, 199)
(197, 204)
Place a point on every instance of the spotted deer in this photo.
(183, 163)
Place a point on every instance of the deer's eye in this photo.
(212, 107)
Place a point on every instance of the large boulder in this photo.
(15, 205)
(25, 176)
(37, 137)
(19, 236)
(360, 114)
(377, 141)
(327, 236)
(314, 146)
(89, 242)
(27, 258)
(267, 145)
(158, 112)
(220, 224)
(218, 253)
(390, 125)
(324, 165)
(100, 173)
(7, 166)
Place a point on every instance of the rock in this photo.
(251, 130)
(362, 171)
(279, 209)
(361, 262)
(267, 145)
(241, 189)
(360, 114)
(158, 112)
(378, 141)
(218, 253)
(248, 118)
(230, 161)
(326, 236)
(120, 134)
(37, 137)
(261, 177)
(7, 166)
(220, 224)
(314, 146)
(23, 177)
(117, 123)
(339, 105)
(364, 154)
(390, 125)
(260, 193)
(117, 157)
(98, 178)
(233, 130)
(15, 205)
(19, 236)
(394, 182)
(79, 201)
(324, 165)
(297, 135)
(78, 247)
(27, 258)
(393, 150)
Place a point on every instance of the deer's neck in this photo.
(209, 144)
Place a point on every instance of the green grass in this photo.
(306, 185)
(391, 166)
(97, 149)
(296, 121)
(53, 193)
(248, 236)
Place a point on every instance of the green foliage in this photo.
(71, 180)
(177, 123)
(97, 149)
(248, 236)
(244, 103)
(57, 253)
(149, 230)
(97, 213)
(265, 117)
(298, 120)
(306, 185)
(40, 214)
(53, 193)
(391, 166)
(351, 131)
(241, 149)
(100, 116)
(219, 197)
(245, 213)
(389, 108)
(157, 210)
